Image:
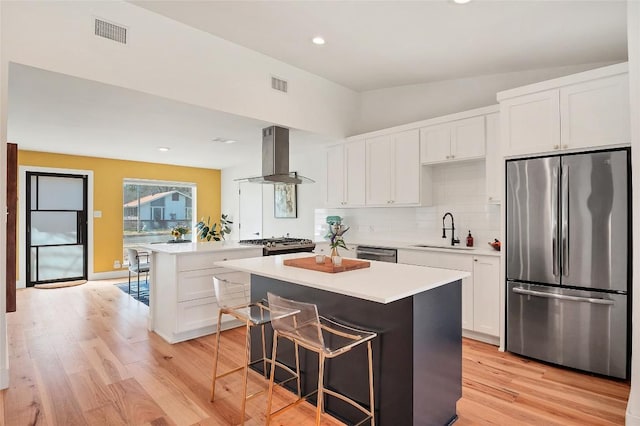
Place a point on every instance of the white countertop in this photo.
(382, 282)
(404, 245)
(209, 246)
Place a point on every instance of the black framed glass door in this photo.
(56, 227)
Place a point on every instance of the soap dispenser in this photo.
(469, 240)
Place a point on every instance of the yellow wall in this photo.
(108, 176)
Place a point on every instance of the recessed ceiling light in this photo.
(319, 40)
(229, 141)
(163, 149)
(461, 1)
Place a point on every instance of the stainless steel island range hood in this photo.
(275, 159)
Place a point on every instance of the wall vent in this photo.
(111, 31)
(279, 84)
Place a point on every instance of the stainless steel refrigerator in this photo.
(567, 255)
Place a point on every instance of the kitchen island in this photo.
(416, 312)
(182, 303)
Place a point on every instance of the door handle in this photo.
(555, 257)
(375, 253)
(562, 296)
(565, 220)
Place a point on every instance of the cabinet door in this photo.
(494, 162)
(378, 165)
(406, 168)
(435, 144)
(335, 176)
(595, 113)
(355, 173)
(467, 138)
(467, 303)
(486, 295)
(531, 123)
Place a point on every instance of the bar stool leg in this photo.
(272, 376)
(264, 353)
(245, 371)
(215, 357)
(320, 402)
(295, 344)
(371, 395)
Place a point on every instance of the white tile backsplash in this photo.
(458, 188)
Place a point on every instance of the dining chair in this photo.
(137, 267)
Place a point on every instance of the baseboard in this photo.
(199, 332)
(108, 275)
(632, 419)
(93, 277)
(492, 340)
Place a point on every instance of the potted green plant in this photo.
(207, 231)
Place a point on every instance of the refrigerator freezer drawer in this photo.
(579, 329)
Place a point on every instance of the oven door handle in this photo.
(372, 253)
(562, 296)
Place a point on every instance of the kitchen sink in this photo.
(443, 246)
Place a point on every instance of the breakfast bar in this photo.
(416, 312)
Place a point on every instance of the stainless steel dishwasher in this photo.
(380, 254)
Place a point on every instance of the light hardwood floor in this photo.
(82, 355)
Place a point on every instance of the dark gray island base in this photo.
(417, 355)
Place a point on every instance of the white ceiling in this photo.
(53, 112)
(379, 44)
(370, 45)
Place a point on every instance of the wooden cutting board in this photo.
(327, 266)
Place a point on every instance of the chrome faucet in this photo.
(454, 240)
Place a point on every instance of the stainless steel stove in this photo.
(282, 245)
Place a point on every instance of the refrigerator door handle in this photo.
(565, 220)
(562, 296)
(555, 258)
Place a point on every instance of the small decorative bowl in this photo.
(496, 245)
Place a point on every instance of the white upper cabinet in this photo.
(453, 141)
(531, 123)
(354, 153)
(494, 163)
(595, 113)
(582, 111)
(393, 169)
(406, 176)
(335, 176)
(345, 175)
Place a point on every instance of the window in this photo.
(152, 208)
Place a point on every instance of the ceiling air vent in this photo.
(111, 31)
(279, 84)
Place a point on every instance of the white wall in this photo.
(169, 59)
(4, 70)
(633, 28)
(384, 108)
(459, 188)
(310, 164)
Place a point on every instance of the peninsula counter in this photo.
(182, 303)
(416, 312)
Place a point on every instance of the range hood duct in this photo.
(275, 159)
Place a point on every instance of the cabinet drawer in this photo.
(197, 284)
(195, 314)
(192, 262)
(459, 262)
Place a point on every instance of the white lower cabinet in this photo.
(486, 295)
(182, 299)
(480, 291)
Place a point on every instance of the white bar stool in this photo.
(300, 323)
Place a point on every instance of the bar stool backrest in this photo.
(296, 319)
(230, 294)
